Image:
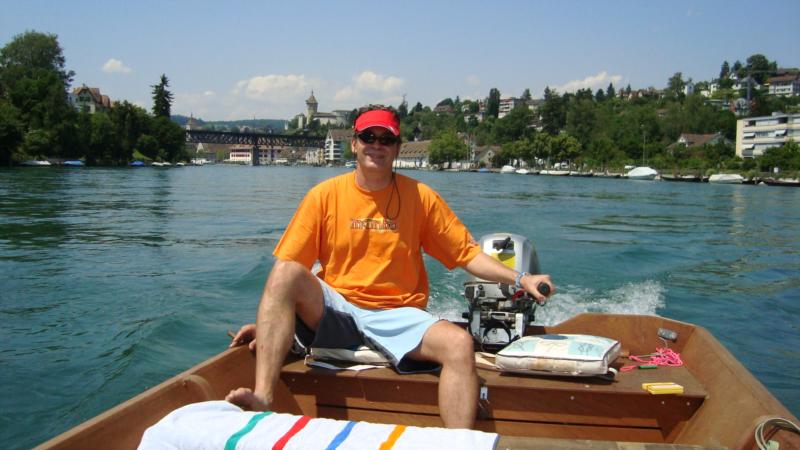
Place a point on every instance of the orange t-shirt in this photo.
(373, 261)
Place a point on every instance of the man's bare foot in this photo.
(246, 399)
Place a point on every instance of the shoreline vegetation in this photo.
(582, 131)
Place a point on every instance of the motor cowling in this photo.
(498, 314)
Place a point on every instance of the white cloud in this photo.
(473, 80)
(599, 81)
(273, 88)
(372, 87)
(115, 66)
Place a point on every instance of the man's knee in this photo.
(452, 345)
(462, 347)
(287, 277)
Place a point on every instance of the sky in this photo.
(262, 59)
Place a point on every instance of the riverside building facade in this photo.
(755, 135)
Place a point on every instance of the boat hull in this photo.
(721, 405)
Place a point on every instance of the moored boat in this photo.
(523, 171)
(790, 182)
(508, 169)
(641, 173)
(74, 163)
(726, 178)
(721, 405)
(35, 163)
(684, 178)
(557, 173)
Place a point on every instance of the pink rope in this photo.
(662, 357)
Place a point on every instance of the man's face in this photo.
(375, 157)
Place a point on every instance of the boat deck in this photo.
(555, 407)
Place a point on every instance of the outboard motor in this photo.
(498, 313)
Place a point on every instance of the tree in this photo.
(402, 110)
(554, 114)
(675, 86)
(760, 67)
(162, 98)
(493, 104)
(147, 145)
(600, 96)
(27, 54)
(447, 147)
(526, 95)
(565, 148)
(417, 108)
(737, 69)
(610, 91)
(11, 132)
(725, 70)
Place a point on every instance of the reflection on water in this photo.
(115, 279)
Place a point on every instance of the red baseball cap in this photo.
(378, 118)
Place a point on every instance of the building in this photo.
(755, 135)
(506, 105)
(336, 118)
(785, 85)
(699, 140)
(335, 144)
(89, 99)
(413, 155)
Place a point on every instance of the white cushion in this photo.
(559, 354)
(362, 354)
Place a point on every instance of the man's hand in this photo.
(245, 335)
(531, 285)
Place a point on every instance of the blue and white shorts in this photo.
(393, 332)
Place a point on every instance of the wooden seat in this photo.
(516, 405)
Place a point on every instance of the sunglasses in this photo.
(369, 137)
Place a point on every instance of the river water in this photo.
(115, 279)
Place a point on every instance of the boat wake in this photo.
(640, 298)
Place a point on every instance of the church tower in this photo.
(311, 107)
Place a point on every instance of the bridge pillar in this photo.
(256, 156)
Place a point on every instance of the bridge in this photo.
(255, 140)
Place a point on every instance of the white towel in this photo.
(212, 425)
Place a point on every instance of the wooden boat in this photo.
(721, 406)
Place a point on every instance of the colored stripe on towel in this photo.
(234, 439)
(393, 437)
(299, 425)
(337, 441)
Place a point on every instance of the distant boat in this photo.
(483, 170)
(575, 173)
(180, 164)
(508, 169)
(557, 173)
(74, 163)
(350, 164)
(35, 163)
(608, 175)
(726, 178)
(687, 178)
(136, 164)
(642, 173)
(793, 182)
(157, 164)
(523, 171)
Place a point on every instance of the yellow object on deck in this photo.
(663, 388)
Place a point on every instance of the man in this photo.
(367, 229)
